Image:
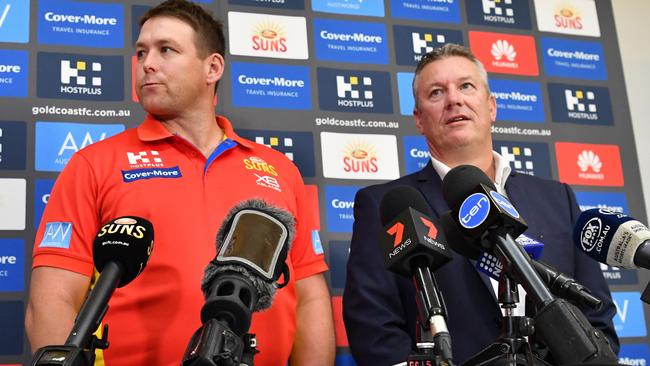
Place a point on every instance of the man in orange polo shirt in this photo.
(182, 169)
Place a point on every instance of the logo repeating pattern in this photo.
(499, 13)
(354, 91)
(580, 104)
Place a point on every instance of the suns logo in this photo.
(360, 157)
(269, 36)
(568, 18)
(588, 159)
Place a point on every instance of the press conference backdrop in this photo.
(327, 82)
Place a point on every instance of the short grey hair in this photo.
(448, 50)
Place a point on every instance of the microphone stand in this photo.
(511, 347)
(433, 339)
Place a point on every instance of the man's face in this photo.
(170, 75)
(454, 108)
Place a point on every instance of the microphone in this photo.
(558, 283)
(121, 251)
(613, 238)
(252, 246)
(414, 246)
(483, 213)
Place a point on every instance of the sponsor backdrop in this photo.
(346, 67)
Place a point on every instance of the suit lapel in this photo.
(517, 195)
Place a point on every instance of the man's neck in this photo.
(201, 130)
(484, 160)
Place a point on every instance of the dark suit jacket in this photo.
(379, 307)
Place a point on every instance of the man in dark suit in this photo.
(455, 111)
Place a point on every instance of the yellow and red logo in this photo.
(269, 36)
(360, 157)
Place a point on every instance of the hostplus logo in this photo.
(144, 159)
(83, 74)
(519, 158)
(297, 146)
(423, 42)
(497, 10)
(12, 270)
(581, 104)
(504, 54)
(359, 89)
(80, 77)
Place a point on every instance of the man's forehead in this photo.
(165, 27)
(452, 68)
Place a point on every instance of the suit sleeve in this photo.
(588, 273)
(373, 309)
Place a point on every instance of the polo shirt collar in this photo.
(152, 129)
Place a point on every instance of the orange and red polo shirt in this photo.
(151, 173)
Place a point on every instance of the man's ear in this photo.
(216, 66)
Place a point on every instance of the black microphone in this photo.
(486, 214)
(482, 212)
(613, 238)
(252, 246)
(413, 247)
(121, 251)
(559, 283)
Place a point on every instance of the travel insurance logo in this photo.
(354, 91)
(439, 11)
(12, 265)
(373, 8)
(265, 35)
(14, 21)
(14, 66)
(574, 59)
(57, 141)
(518, 101)
(580, 104)
(77, 23)
(270, 86)
(81, 77)
(346, 41)
(411, 43)
(340, 208)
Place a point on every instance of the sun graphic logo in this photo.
(588, 159)
(568, 18)
(360, 157)
(502, 48)
(269, 36)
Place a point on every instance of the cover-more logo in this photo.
(340, 207)
(580, 104)
(501, 13)
(505, 53)
(439, 11)
(270, 86)
(13, 73)
(12, 265)
(411, 43)
(265, 35)
(577, 17)
(589, 164)
(78, 23)
(346, 41)
(518, 101)
(80, 77)
(356, 156)
(574, 59)
(354, 91)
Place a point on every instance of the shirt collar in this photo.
(152, 130)
(501, 169)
